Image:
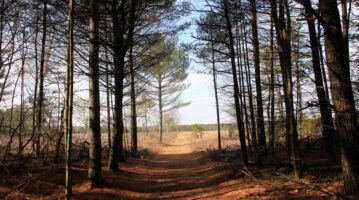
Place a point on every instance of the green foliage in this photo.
(12, 120)
(169, 73)
(311, 126)
(196, 130)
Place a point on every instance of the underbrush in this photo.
(322, 177)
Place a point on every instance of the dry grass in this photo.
(209, 141)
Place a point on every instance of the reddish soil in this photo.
(177, 172)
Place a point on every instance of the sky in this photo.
(200, 92)
(201, 95)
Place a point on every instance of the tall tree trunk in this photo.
(120, 48)
(345, 22)
(41, 89)
(299, 113)
(280, 100)
(2, 32)
(242, 93)
(260, 118)
(160, 108)
(108, 92)
(324, 104)
(69, 100)
(34, 105)
(22, 104)
(250, 134)
(284, 47)
(94, 171)
(216, 98)
(342, 94)
(322, 63)
(235, 85)
(146, 120)
(133, 103)
(61, 135)
(271, 92)
(247, 71)
(118, 129)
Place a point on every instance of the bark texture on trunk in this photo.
(260, 118)
(342, 94)
(94, 171)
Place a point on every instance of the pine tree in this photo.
(169, 74)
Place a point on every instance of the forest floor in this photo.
(178, 170)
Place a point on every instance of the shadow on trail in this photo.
(165, 176)
(171, 173)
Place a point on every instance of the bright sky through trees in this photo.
(200, 93)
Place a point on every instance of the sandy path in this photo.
(177, 172)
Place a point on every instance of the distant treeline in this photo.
(176, 128)
(206, 127)
(308, 126)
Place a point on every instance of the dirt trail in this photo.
(175, 173)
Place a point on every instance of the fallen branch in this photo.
(265, 184)
(21, 185)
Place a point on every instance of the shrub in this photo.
(196, 130)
